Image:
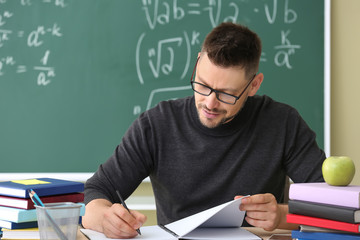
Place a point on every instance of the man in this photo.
(206, 149)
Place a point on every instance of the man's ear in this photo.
(256, 83)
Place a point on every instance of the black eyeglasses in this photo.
(221, 96)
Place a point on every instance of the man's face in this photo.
(211, 111)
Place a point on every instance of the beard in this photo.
(213, 122)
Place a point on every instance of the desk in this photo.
(266, 234)
(258, 231)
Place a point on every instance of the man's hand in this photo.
(119, 223)
(263, 211)
(113, 220)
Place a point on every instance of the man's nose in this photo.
(212, 101)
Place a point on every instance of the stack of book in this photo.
(17, 211)
(324, 211)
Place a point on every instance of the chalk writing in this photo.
(163, 17)
(156, 54)
(8, 60)
(216, 6)
(167, 12)
(4, 16)
(57, 3)
(290, 15)
(4, 33)
(45, 72)
(282, 57)
(35, 38)
(4, 36)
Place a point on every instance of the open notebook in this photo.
(220, 222)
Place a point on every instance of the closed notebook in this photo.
(26, 203)
(42, 186)
(29, 233)
(323, 223)
(333, 212)
(346, 196)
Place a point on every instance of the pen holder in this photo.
(58, 220)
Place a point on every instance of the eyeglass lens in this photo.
(206, 91)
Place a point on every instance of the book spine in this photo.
(17, 216)
(13, 225)
(75, 197)
(13, 192)
(22, 215)
(332, 212)
(321, 236)
(22, 203)
(324, 223)
(26, 203)
(59, 189)
(325, 196)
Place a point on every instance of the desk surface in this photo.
(266, 234)
(258, 231)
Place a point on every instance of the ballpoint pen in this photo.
(35, 198)
(119, 196)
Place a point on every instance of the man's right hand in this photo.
(113, 220)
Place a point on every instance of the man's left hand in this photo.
(262, 210)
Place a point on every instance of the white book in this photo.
(29, 233)
(220, 222)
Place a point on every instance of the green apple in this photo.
(338, 170)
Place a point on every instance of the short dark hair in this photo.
(231, 45)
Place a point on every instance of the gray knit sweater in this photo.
(193, 168)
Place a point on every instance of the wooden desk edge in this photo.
(266, 234)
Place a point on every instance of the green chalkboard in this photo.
(74, 74)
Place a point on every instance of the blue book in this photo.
(14, 225)
(18, 215)
(42, 186)
(323, 235)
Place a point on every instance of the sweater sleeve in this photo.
(303, 156)
(130, 163)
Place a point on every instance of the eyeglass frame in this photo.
(217, 91)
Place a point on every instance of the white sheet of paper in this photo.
(157, 233)
(148, 232)
(224, 215)
(221, 233)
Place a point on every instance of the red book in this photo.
(324, 223)
(26, 203)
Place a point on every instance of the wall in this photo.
(345, 82)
